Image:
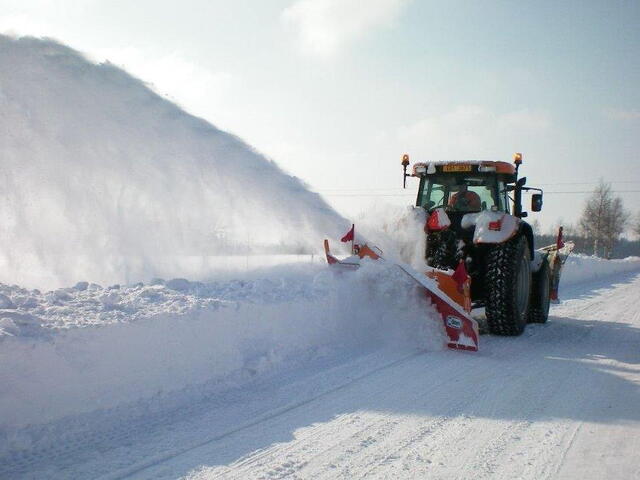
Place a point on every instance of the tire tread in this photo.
(500, 306)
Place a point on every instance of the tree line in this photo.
(600, 228)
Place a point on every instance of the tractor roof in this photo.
(485, 166)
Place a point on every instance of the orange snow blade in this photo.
(441, 289)
(448, 285)
(461, 328)
(365, 251)
(330, 258)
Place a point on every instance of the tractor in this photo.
(475, 226)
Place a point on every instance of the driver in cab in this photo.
(465, 200)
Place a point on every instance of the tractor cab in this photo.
(472, 186)
(462, 188)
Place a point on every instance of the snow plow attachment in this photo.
(449, 298)
(556, 255)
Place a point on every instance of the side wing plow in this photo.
(556, 255)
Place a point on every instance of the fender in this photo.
(492, 227)
(527, 231)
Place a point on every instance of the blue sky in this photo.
(336, 90)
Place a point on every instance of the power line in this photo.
(591, 191)
(381, 189)
(590, 183)
(389, 190)
(413, 194)
(369, 195)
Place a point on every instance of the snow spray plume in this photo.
(104, 180)
(399, 232)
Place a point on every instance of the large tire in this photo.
(441, 252)
(539, 306)
(508, 287)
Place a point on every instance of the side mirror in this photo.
(536, 202)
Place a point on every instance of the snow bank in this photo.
(86, 348)
(583, 268)
(102, 179)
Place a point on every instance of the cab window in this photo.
(460, 193)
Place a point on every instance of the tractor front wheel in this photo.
(508, 287)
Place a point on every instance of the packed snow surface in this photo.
(103, 179)
(83, 365)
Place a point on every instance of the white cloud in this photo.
(322, 27)
(472, 131)
(624, 115)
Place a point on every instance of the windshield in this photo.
(461, 193)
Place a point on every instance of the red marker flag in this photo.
(460, 275)
(350, 234)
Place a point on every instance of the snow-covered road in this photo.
(562, 401)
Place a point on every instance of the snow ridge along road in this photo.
(559, 402)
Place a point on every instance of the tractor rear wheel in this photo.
(508, 287)
(539, 307)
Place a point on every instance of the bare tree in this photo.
(570, 230)
(603, 219)
(616, 221)
(636, 226)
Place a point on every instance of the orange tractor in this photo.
(480, 250)
(476, 223)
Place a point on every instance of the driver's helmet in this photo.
(465, 200)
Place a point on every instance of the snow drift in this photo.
(102, 179)
(584, 268)
(86, 348)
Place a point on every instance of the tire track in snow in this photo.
(516, 448)
(274, 414)
(354, 442)
(546, 463)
